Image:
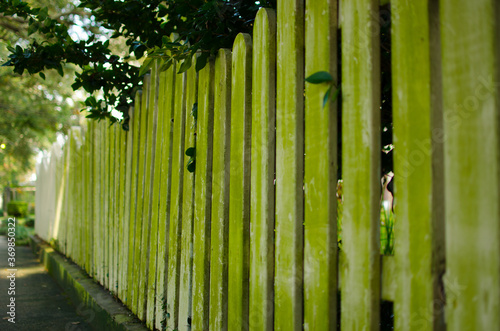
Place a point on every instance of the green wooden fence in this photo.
(248, 241)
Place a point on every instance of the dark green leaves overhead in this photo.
(200, 27)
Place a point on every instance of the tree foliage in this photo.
(32, 110)
(200, 26)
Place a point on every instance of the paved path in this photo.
(40, 303)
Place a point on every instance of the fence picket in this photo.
(172, 302)
(167, 105)
(470, 73)
(123, 207)
(141, 182)
(361, 165)
(262, 172)
(320, 169)
(415, 243)
(203, 199)
(186, 245)
(239, 183)
(155, 197)
(138, 110)
(152, 115)
(220, 193)
(288, 286)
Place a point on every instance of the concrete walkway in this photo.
(40, 304)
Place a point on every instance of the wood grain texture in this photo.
(203, 198)
(288, 285)
(239, 183)
(361, 165)
(263, 143)
(220, 192)
(470, 52)
(320, 169)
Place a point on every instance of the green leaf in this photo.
(146, 65)
(32, 29)
(191, 166)
(201, 61)
(185, 65)
(165, 65)
(42, 75)
(319, 77)
(191, 151)
(327, 95)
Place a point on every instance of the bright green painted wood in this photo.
(77, 202)
(172, 304)
(107, 204)
(470, 72)
(155, 202)
(70, 194)
(123, 206)
(416, 305)
(262, 171)
(89, 180)
(83, 249)
(220, 192)
(117, 218)
(123, 284)
(239, 183)
(64, 211)
(361, 165)
(101, 225)
(288, 287)
(152, 109)
(96, 156)
(111, 205)
(167, 105)
(202, 199)
(186, 263)
(141, 182)
(131, 280)
(320, 169)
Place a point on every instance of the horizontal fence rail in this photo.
(243, 198)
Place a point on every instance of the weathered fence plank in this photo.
(320, 170)
(89, 194)
(118, 188)
(96, 215)
(133, 200)
(220, 192)
(471, 76)
(361, 165)
(152, 109)
(417, 305)
(173, 277)
(203, 199)
(186, 264)
(110, 171)
(155, 197)
(167, 106)
(124, 207)
(141, 182)
(102, 218)
(288, 285)
(263, 140)
(239, 183)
